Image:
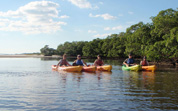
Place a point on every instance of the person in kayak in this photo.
(129, 61)
(144, 62)
(63, 62)
(98, 61)
(79, 61)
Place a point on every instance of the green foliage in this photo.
(92, 48)
(46, 51)
(71, 49)
(157, 40)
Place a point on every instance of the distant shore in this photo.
(28, 56)
(59, 57)
(31, 56)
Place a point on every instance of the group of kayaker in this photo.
(99, 62)
(79, 61)
(131, 62)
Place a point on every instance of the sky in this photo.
(26, 26)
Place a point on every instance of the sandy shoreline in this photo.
(28, 56)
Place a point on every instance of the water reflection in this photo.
(140, 80)
(79, 78)
(34, 86)
(148, 79)
(159, 88)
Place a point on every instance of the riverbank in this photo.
(71, 57)
(33, 56)
(28, 56)
(20, 56)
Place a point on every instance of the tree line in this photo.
(157, 40)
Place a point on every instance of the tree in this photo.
(92, 48)
(46, 51)
(138, 37)
(157, 40)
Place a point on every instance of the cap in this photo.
(130, 54)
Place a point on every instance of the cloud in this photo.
(121, 15)
(131, 13)
(104, 16)
(130, 23)
(101, 3)
(107, 28)
(92, 31)
(83, 4)
(64, 16)
(101, 35)
(78, 30)
(34, 17)
(115, 28)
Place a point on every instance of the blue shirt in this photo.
(79, 62)
(130, 61)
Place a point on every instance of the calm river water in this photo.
(30, 84)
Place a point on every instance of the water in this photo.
(30, 84)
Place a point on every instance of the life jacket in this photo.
(144, 63)
(99, 62)
(130, 61)
(79, 62)
(63, 62)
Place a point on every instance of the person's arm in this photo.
(102, 63)
(95, 63)
(133, 63)
(125, 63)
(58, 64)
(147, 63)
(140, 62)
(68, 63)
(74, 63)
(84, 63)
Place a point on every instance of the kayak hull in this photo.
(68, 68)
(149, 68)
(89, 69)
(104, 68)
(132, 68)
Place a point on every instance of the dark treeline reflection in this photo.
(160, 88)
(106, 61)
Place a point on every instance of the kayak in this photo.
(53, 67)
(68, 68)
(149, 68)
(104, 68)
(89, 68)
(132, 68)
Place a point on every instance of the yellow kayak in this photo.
(68, 68)
(104, 68)
(149, 68)
(89, 68)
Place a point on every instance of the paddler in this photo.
(63, 62)
(144, 62)
(98, 61)
(129, 61)
(79, 61)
